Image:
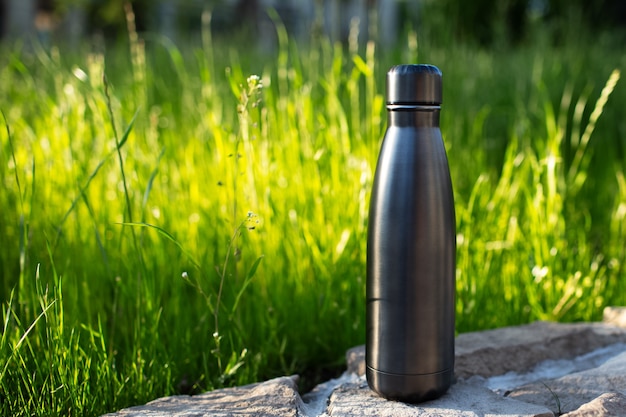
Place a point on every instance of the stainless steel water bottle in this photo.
(411, 247)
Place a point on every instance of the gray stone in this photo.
(277, 397)
(568, 393)
(553, 369)
(355, 360)
(615, 316)
(611, 404)
(520, 348)
(463, 399)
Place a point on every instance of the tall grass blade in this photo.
(578, 169)
(124, 137)
(246, 282)
(169, 237)
(17, 346)
(81, 192)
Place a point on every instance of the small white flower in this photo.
(540, 272)
(254, 83)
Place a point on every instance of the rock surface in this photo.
(462, 399)
(570, 392)
(541, 369)
(607, 405)
(519, 348)
(277, 397)
(615, 316)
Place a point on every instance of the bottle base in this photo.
(409, 388)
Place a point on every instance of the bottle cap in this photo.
(414, 84)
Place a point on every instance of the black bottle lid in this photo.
(414, 84)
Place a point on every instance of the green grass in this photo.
(181, 225)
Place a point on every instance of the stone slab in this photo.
(519, 348)
(615, 316)
(611, 404)
(463, 399)
(355, 360)
(274, 398)
(570, 392)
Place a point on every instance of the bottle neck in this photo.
(415, 117)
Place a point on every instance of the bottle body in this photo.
(411, 261)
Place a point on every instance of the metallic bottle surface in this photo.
(411, 248)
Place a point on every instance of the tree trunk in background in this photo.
(387, 22)
(19, 18)
(166, 18)
(75, 25)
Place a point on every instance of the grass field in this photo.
(197, 217)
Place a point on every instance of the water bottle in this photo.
(411, 246)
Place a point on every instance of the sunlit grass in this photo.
(198, 218)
